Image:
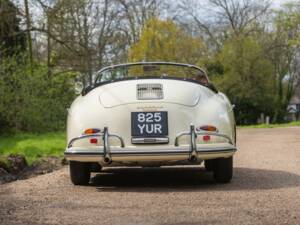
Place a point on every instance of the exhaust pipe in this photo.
(193, 158)
(107, 160)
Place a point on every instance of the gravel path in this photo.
(265, 190)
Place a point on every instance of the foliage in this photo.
(247, 78)
(284, 46)
(35, 102)
(12, 39)
(165, 41)
(252, 53)
(33, 146)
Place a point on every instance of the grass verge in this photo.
(291, 124)
(33, 146)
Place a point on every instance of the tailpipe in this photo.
(107, 160)
(193, 158)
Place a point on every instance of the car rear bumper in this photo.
(152, 152)
(161, 153)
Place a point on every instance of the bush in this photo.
(246, 76)
(33, 102)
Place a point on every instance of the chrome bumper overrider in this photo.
(191, 152)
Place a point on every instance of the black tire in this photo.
(209, 164)
(80, 172)
(95, 167)
(223, 168)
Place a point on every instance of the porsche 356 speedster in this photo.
(150, 114)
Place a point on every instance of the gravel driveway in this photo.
(265, 190)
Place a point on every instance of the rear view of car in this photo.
(150, 114)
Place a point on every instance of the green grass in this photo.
(291, 124)
(33, 146)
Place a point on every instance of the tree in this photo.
(134, 15)
(284, 51)
(239, 15)
(32, 102)
(12, 45)
(165, 41)
(12, 39)
(247, 79)
(29, 40)
(217, 20)
(80, 33)
(29, 101)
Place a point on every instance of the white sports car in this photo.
(150, 114)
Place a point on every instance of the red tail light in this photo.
(94, 141)
(206, 138)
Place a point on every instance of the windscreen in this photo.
(152, 71)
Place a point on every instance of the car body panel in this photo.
(112, 95)
(187, 103)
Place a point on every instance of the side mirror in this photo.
(78, 88)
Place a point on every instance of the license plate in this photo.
(149, 124)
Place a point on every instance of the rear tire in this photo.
(80, 172)
(209, 164)
(223, 168)
(95, 167)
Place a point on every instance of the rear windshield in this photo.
(152, 71)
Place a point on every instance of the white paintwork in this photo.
(186, 102)
(111, 95)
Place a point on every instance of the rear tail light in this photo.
(92, 131)
(94, 141)
(206, 138)
(207, 128)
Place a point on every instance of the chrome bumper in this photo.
(192, 152)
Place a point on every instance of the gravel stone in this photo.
(265, 190)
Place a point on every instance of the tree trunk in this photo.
(29, 40)
(48, 46)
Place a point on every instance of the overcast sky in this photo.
(277, 3)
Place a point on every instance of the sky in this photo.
(277, 3)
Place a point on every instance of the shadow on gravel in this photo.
(189, 179)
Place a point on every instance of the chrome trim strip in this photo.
(199, 150)
(180, 135)
(96, 135)
(152, 140)
(215, 134)
(106, 149)
(120, 139)
(158, 153)
(83, 137)
(193, 150)
(193, 135)
(105, 136)
(153, 63)
(202, 133)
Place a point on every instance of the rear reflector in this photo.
(93, 140)
(206, 138)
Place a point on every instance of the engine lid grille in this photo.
(149, 91)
